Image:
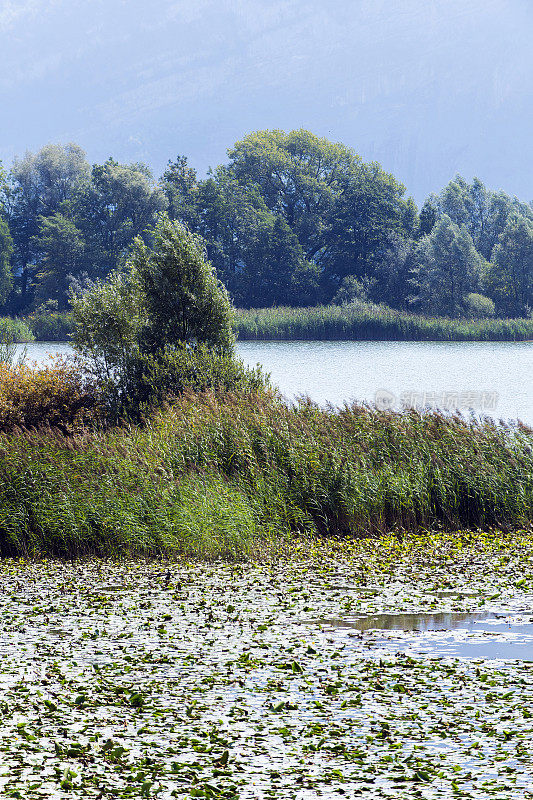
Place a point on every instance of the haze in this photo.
(427, 87)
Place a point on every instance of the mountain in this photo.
(427, 87)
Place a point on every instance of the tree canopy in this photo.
(289, 219)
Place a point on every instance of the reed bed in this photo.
(367, 321)
(216, 473)
(355, 321)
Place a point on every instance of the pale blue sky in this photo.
(426, 87)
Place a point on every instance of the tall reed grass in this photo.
(354, 321)
(215, 473)
(372, 322)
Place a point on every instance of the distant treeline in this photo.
(291, 219)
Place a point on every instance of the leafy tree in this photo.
(61, 247)
(180, 185)
(6, 250)
(116, 205)
(352, 289)
(393, 272)
(167, 295)
(448, 268)
(41, 184)
(339, 208)
(254, 251)
(509, 277)
(482, 212)
(182, 298)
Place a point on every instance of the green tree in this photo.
(118, 203)
(180, 185)
(167, 296)
(61, 247)
(6, 250)
(182, 298)
(509, 277)
(42, 184)
(340, 209)
(448, 267)
(482, 212)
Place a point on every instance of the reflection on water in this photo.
(409, 622)
(454, 634)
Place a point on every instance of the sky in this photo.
(428, 88)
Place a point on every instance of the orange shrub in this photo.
(56, 396)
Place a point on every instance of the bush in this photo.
(478, 306)
(169, 373)
(52, 326)
(13, 329)
(52, 396)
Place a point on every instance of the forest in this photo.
(290, 219)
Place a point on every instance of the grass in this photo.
(358, 320)
(372, 322)
(214, 474)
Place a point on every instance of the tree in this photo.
(180, 185)
(6, 250)
(182, 298)
(118, 203)
(482, 212)
(41, 184)
(448, 267)
(61, 247)
(340, 209)
(509, 277)
(167, 296)
(393, 272)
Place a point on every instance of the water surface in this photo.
(493, 378)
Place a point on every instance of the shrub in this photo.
(52, 326)
(13, 329)
(55, 396)
(156, 379)
(478, 306)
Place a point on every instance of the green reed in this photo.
(372, 322)
(214, 474)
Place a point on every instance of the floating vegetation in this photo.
(169, 679)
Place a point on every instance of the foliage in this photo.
(162, 325)
(340, 208)
(477, 305)
(181, 297)
(351, 289)
(106, 323)
(15, 330)
(285, 221)
(156, 379)
(6, 251)
(49, 325)
(447, 268)
(510, 276)
(52, 396)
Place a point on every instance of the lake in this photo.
(494, 378)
